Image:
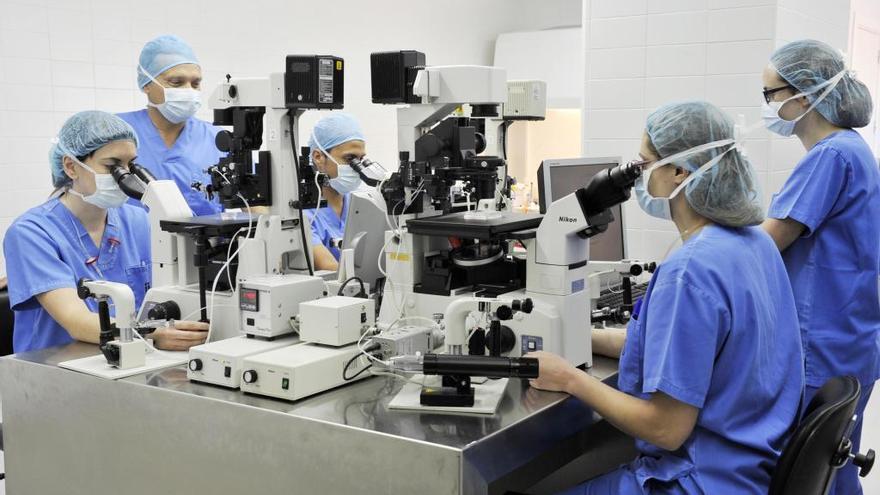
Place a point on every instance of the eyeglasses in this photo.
(769, 92)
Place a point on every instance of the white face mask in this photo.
(770, 111)
(660, 207)
(180, 103)
(107, 192)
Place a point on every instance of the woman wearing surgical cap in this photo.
(174, 144)
(336, 140)
(84, 230)
(711, 371)
(826, 219)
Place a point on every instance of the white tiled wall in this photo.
(642, 54)
(61, 56)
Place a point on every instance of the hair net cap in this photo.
(333, 130)
(806, 64)
(161, 54)
(727, 193)
(82, 134)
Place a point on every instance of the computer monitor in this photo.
(558, 178)
(365, 226)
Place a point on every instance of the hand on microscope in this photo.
(555, 374)
(180, 335)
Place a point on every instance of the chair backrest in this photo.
(7, 320)
(805, 467)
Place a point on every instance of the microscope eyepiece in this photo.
(609, 187)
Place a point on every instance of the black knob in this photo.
(865, 462)
(82, 291)
(504, 312)
(195, 364)
(249, 376)
(508, 341)
(636, 270)
(526, 305)
(223, 141)
(168, 310)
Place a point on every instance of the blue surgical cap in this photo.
(161, 54)
(728, 192)
(82, 134)
(807, 64)
(333, 130)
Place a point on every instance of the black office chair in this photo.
(821, 444)
(7, 319)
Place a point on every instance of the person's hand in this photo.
(554, 372)
(181, 336)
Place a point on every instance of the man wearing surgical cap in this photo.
(335, 141)
(85, 230)
(826, 220)
(174, 144)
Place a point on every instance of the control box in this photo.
(404, 340)
(335, 321)
(526, 100)
(269, 303)
(220, 362)
(313, 81)
(392, 75)
(297, 371)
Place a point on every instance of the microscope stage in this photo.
(456, 225)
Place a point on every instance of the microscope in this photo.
(262, 169)
(551, 313)
(124, 352)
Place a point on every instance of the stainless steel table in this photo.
(67, 432)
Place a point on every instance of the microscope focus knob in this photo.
(504, 312)
(526, 305)
(508, 341)
(195, 364)
(249, 376)
(223, 140)
(168, 310)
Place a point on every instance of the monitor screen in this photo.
(559, 178)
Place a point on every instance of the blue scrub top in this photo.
(47, 248)
(834, 266)
(328, 228)
(184, 163)
(718, 330)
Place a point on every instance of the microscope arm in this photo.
(455, 318)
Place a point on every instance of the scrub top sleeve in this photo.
(811, 192)
(683, 328)
(315, 226)
(33, 264)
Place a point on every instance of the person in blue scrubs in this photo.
(86, 230)
(173, 144)
(826, 219)
(335, 141)
(711, 372)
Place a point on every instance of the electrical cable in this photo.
(306, 245)
(362, 293)
(353, 359)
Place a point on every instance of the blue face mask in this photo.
(660, 207)
(346, 180)
(654, 206)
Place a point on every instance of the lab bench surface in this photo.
(66, 432)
